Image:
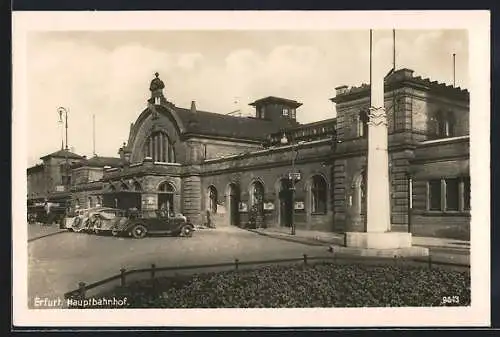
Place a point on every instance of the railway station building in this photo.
(191, 161)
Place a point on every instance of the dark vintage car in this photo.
(163, 223)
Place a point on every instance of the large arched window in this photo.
(159, 147)
(318, 194)
(212, 199)
(166, 187)
(444, 124)
(166, 196)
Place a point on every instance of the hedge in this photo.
(316, 285)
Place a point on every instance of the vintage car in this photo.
(92, 219)
(162, 223)
(103, 219)
(76, 221)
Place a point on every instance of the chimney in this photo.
(193, 106)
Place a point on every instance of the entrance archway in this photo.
(357, 202)
(233, 200)
(212, 199)
(257, 202)
(285, 202)
(166, 196)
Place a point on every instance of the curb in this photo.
(316, 242)
(46, 235)
(308, 242)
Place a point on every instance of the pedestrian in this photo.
(209, 220)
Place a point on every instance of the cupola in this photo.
(275, 108)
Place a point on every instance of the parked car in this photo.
(103, 219)
(163, 223)
(79, 219)
(47, 213)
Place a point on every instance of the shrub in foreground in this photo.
(318, 285)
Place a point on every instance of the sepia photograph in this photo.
(265, 161)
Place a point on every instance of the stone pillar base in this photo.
(376, 240)
(387, 244)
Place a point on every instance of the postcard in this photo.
(251, 169)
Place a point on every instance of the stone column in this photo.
(378, 240)
(378, 212)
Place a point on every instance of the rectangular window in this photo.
(452, 194)
(434, 195)
(466, 182)
(285, 112)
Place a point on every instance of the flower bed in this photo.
(317, 285)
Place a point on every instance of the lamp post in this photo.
(61, 111)
(292, 176)
(410, 199)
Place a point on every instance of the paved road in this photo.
(58, 262)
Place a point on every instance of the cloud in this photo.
(189, 61)
(112, 82)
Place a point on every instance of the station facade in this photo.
(192, 161)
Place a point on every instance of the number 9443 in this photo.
(450, 300)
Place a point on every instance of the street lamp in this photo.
(61, 111)
(292, 176)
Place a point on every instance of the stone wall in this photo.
(245, 170)
(439, 160)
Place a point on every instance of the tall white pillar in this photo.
(378, 210)
(378, 240)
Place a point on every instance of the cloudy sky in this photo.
(107, 74)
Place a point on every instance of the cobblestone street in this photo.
(58, 262)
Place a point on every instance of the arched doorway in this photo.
(285, 202)
(318, 195)
(233, 200)
(212, 199)
(257, 202)
(166, 196)
(357, 203)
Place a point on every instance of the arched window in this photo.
(159, 147)
(444, 124)
(166, 197)
(166, 187)
(136, 187)
(362, 123)
(212, 199)
(318, 195)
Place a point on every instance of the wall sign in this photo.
(268, 206)
(299, 205)
(243, 207)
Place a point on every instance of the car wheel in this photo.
(139, 231)
(186, 231)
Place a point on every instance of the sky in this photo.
(106, 74)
